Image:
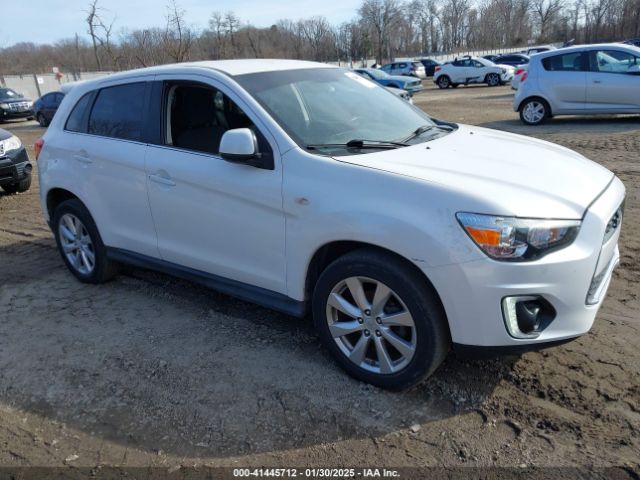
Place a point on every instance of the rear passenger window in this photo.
(77, 121)
(569, 62)
(118, 112)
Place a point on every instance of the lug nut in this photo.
(378, 333)
(378, 320)
(360, 320)
(366, 333)
(367, 312)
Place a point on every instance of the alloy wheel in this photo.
(533, 112)
(371, 325)
(76, 244)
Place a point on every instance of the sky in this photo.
(45, 21)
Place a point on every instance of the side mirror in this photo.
(239, 145)
(634, 70)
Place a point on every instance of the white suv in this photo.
(305, 187)
(582, 80)
(470, 70)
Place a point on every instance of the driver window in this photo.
(196, 117)
(614, 61)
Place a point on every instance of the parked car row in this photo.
(14, 105)
(15, 169)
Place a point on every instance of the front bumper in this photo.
(14, 115)
(472, 292)
(13, 166)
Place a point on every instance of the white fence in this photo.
(35, 85)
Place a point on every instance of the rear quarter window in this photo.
(77, 121)
(118, 112)
(568, 62)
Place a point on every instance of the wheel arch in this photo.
(55, 197)
(538, 97)
(333, 250)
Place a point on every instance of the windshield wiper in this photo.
(424, 129)
(359, 143)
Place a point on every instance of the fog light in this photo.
(28, 168)
(527, 315)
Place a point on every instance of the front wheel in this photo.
(534, 111)
(380, 319)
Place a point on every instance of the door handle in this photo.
(597, 81)
(83, 158)
(162, 180)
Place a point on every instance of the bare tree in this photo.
(178, 38)
(381, 16)
(545, 12)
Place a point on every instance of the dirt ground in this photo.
(152, 371)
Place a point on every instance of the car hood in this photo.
(513, 174)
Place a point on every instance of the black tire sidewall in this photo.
(431, 330)
(102, 267)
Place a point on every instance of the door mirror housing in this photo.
(634, 70)
(240, 145)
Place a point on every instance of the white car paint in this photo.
(262, 227)
(472, 70)
(584, 91)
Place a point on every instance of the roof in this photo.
(579, 48)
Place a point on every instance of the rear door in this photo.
(610, 86)
(563, 80)
(104, 141)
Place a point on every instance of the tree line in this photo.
(380, 29)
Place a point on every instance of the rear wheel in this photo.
(380, 319)
(534, 111)
(20, 187)
(444, 82)
(41, 120)
(493, 79)
(80, 244)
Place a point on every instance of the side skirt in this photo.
(243, 291)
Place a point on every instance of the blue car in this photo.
(410, 84)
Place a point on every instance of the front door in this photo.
(610, 85)
(211, 215)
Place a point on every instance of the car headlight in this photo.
(11, 143)
(517, 239)
(5, 106)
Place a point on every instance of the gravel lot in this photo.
(153, 371)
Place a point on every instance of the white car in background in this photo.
(471, 70)
(307, 188)
(581, 80)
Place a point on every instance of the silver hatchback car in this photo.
(582, 80)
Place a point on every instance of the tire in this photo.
(42, 121)
(102, 269)
(20, 187)
(444, 82)
(412, 299)
(534, 111)
(493, 79)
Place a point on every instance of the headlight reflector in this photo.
(517, 239)
(11, 143)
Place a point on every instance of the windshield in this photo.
(333, 106)
(8, 94)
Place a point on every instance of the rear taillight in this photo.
(37, 147)
(524, 77)
(437, 69)
(519, 71)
